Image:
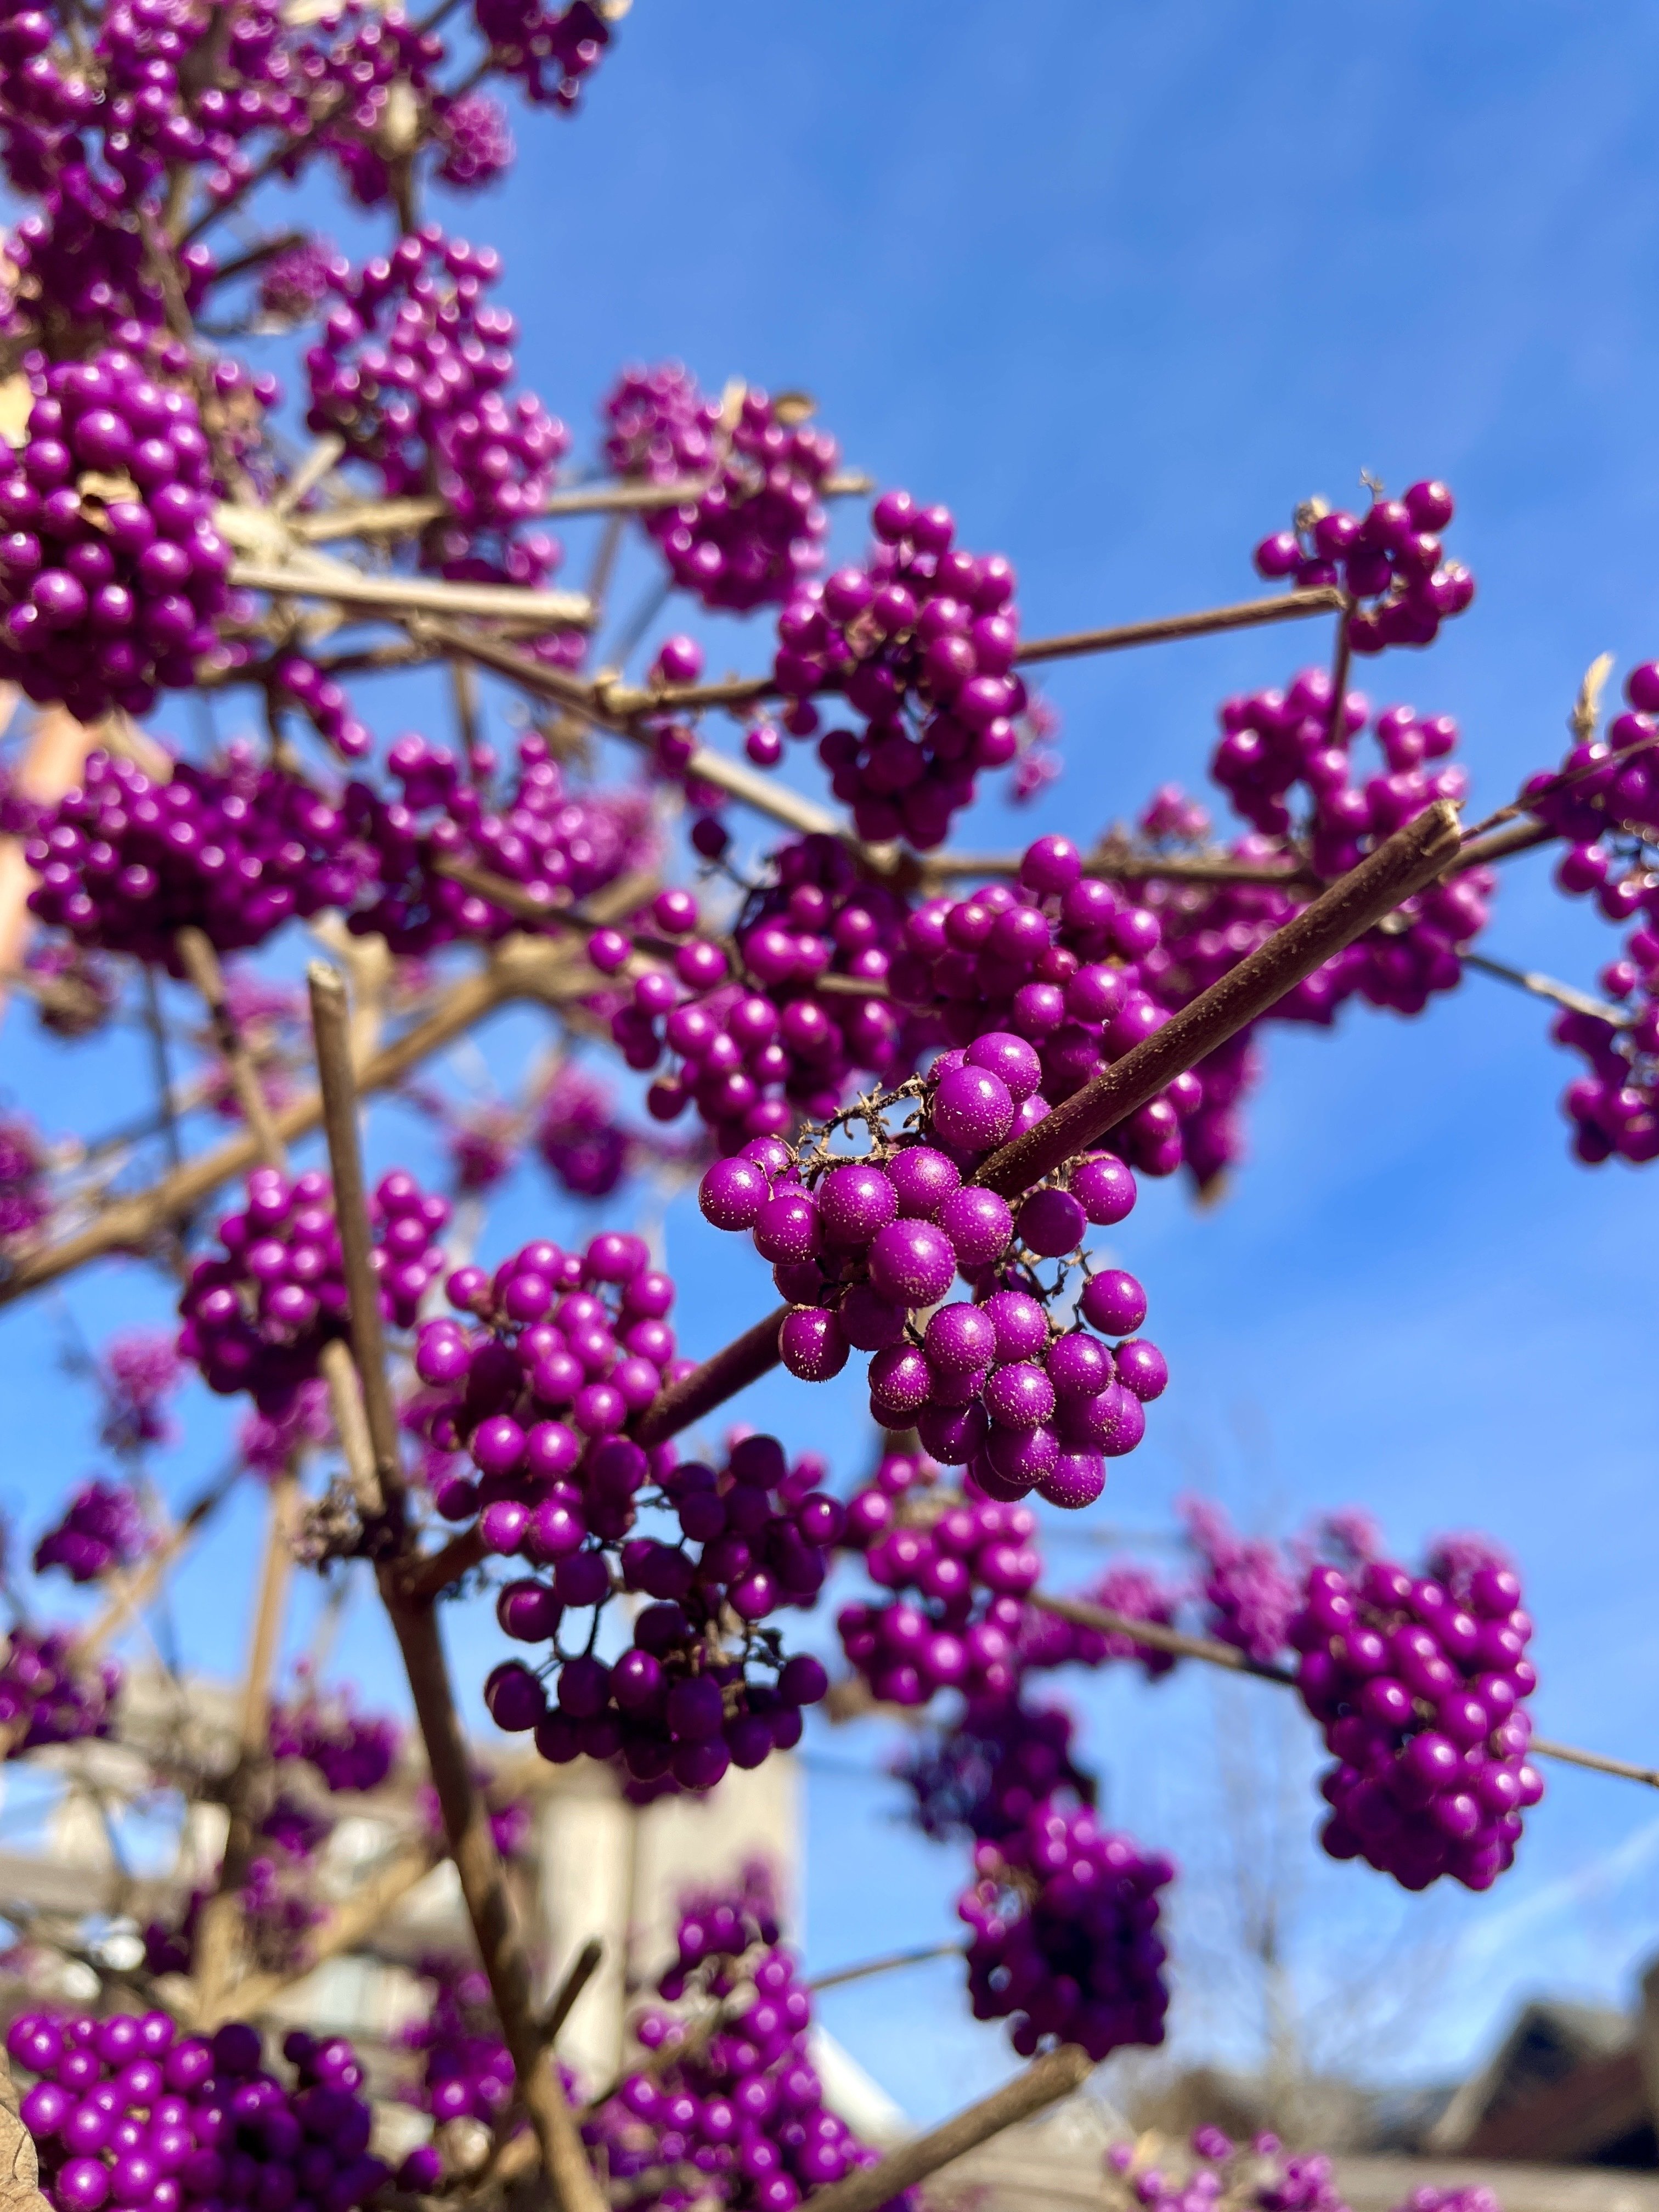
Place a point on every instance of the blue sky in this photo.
(1120, 285)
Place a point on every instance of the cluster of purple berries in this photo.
(125, 2112)
(540, 1396)
(584, 1146)
(756, 530)
(349, 1749)
(1066, 962)
(760, 1048)
(1604, 803)
(1251, 1597)
(138, 1372)
(125, 862)
(111, 574)
(921, 640)
(970, 1565)
(1257, 2177)
(552, 51)
(703, 1685)
(1418, 1685)
(551, 841)
(25, 1199)
(859, 1245)
(257, 1315)
(1390, 559)
(467, 2073)
(49, 1693)
(103, 1526)
(739, 2120)
(477, 142)
(411, 371)
(1065, 1942)
(985, 1775)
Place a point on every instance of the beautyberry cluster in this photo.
(859, 1245)
(467, 2073)
(138, 1371)
(552, 51)
(111, 574)
(921, 639)
(1068, 963)
(1065, 1921)
(756, 530)
(1604, 802)
(984, 1775)
(49, 1693)
(970, 1564)
(25, 1200)
(125, 2111)
(738, 2118)
(759, 1048)
(540, 1396)
(1390, 557)
(1255, 2178)
(552, 842)
(257, 1315)
(1418, 1683)
(125, 863)
(349, 1749)
(411, 371)
(103, 1526)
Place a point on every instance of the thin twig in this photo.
(466, 1814)
(1044, 2081)
(158, 1053)
(503, 602)
(1159, 1637)
(1546, 987)
(583, 1967)
(1401, 865)
(519, 968)
(201, 964)
(891, 1964)
(1248, 614)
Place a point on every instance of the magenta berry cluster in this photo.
(739, 2120)
(557, 844)
(704, 1684)
(1390, 559)
(25, 1199)
(860, 1244)
(921, 640)
(570, 1352)
(138, 1371)
(467, 2071)
(257, 1315)
(1255, 2177)
(49, 1693)
(125, 862)
(551, 51)
(1065, 1935)
(984, 1775)
(125, 2112)
(103, 1526)
(582, 1144)
(1420, 1686)
(111, 574)
(350, 1750)
(1604, 803)
(411, 371)
(758, 1046)
(1250, 1596)
(1065, 961)
(970, 1565)
(756, 529)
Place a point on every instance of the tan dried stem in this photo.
(1043, 2082)
(201, 963)
(465, 1813)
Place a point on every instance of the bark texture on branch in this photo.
(1044, 2081)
